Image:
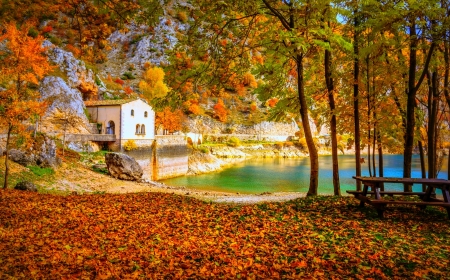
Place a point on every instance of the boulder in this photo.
(43, 155)
(21, 157)
(26, 186)
(123, 167)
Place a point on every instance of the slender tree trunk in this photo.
(432, 120)
(355, 99)
(375, 131)
(5, 183)
(422, 164)
(369, 125)
(64, 137)
(380, 157)
(411, 103)
(446, 90)
(331, 102)
(313, 156)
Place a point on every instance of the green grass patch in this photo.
(41, 171)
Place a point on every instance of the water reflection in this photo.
(292, 175)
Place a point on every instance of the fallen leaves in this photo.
(155, 235)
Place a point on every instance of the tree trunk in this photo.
(64, 137)
(313, 156)
(375, 131)
(355, 100)
(380, 157)
(5, 183)
(411, 102)
(369, 126)
(331, 102)
(410, 105)
(432, 109)
(422, 164)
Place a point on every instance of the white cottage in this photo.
(128, 119)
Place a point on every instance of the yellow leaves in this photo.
(152, 85)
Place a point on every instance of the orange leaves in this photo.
(272, 102)
(169, 120)
(249, 80)
(23, 65)
(193, 107)
(164, 236)
(220, 111)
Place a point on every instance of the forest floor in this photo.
(154, 235)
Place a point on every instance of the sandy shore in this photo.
(82, 180)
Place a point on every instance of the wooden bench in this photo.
(380, 204)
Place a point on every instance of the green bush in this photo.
(128, 76)
(41, 171)
(32, 32)
(234, 142)
(203, 149)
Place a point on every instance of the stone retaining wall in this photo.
(171, 157)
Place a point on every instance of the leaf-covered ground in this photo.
(156, 236)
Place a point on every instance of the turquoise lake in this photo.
(292, 175)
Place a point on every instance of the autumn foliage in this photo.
(23, 65)
(169, 120)
(165, 236)
(152, 85)
(220, 111)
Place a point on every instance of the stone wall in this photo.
(171, 157)
(144, 157)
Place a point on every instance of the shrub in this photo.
(234, 142)
(302, 142)
(203, 149)
(181, 16)
(119, 81)
(33, 32)
(288, 144)
(128, 76)
(279, 145)
(130, 145)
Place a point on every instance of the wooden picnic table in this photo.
(377, 191)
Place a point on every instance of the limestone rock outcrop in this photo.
(42, 154)
(200, 163)
(65, 103)
(123, 167)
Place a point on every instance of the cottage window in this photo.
(142, 129)
(145, 114)
(138, 129)
(132, 112)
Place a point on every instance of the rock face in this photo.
(26, 186)
(66, 102)
(200, 163)
(123, 167)
(21, 158)
(43, 155)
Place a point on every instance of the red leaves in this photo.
(157, 236)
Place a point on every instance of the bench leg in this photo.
(380, 212)
(364, 193)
